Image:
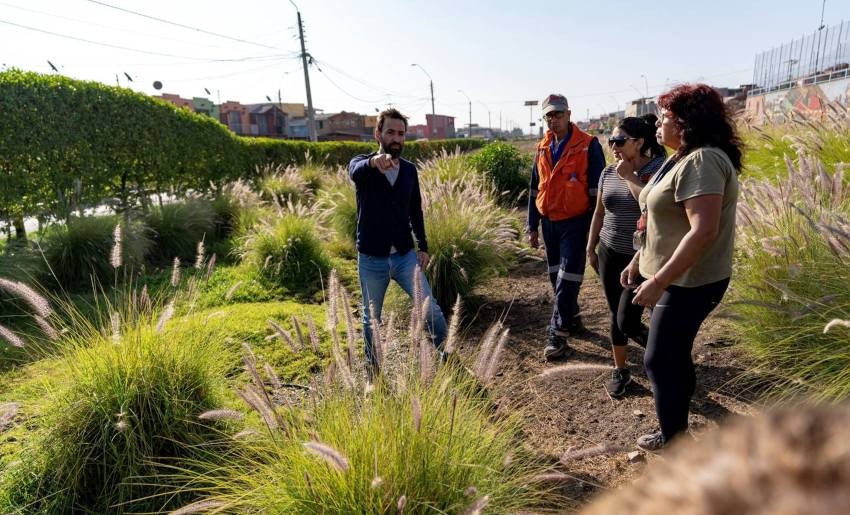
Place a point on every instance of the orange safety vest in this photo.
(562, 192)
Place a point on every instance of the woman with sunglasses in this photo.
(610, 246)
(688, 229)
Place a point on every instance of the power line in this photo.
(196, 29)
(102, 25)
(149, 52)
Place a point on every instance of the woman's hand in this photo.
(630, 274)
(593, 260)
(648, 293)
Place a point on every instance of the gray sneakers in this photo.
(652, 442)
(620, 379)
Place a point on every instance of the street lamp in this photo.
(489, 126)
(433, 112)
(470, 110)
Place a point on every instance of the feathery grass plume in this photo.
(470, 491)
(122, 425)
(345, 372)
(416, 412)
(200, 255)
(210, 267)
(230, 291)
(8, 335)
(377, 482)
(314, 335)
(333, 300)
(266, 262)
(350, 331)
(46, 327)
(115, 322)
(245, 433)
(416, 305)
(283, 335)
(488, 341)
(508, 459)
(454, 325)
(7, 414)
(175, 272)
(496, 356)
(253, 399)
(199, 507)
(221, 414)
(477, 508)
(426, 359)
(402, 503)
(377, 337)
(329, 454)
(602, 449)
(38, 303)
(562, 370)
(302, 344)
(552, 477)
(167, 313)
(145, 303)
(272, 375)
(115, 255)
(834, 323)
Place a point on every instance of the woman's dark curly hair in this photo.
(703, 119)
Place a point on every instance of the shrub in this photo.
(508, 169)
(81, 249)
(447, 167)
(125, 406)
(791, 279)
(339, 204)
(288, 252)
(469, 237)
(178, 228)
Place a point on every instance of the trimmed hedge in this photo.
(67, 144)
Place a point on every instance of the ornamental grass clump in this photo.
(282, 184)
(287, 251)
(178, 227)
(791, 279)
(470, 237)
(423, 438)
(85, 249)
(120, 406)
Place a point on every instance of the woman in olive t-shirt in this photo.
(687, 229)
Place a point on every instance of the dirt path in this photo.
(573, 411)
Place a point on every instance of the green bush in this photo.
(81, 249)
(469, 238)
(508, 169)
(177, 228)
(124, 411)
(288, 252)
(447, 167)
(339, 204)
(791, 280)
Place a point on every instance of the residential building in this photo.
(417, 131)
(267, 120)
(641, 106)
(439, 126)
(343, 126)
(297, 128)
(236, 116)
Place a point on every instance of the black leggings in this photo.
(674, 324)
(625, 316)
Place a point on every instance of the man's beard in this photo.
(394, 149)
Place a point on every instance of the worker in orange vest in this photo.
(562, 193)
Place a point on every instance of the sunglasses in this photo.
(618, 142)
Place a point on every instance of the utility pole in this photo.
(311, 126)
(820, 31)
(470, 110)
(433, 112)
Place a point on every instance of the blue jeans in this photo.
(375, 274)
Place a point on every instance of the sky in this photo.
(497, 54)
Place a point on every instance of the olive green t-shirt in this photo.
(705, 171)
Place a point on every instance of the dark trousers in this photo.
(625, 316)
(565, 242)
(674, 324)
